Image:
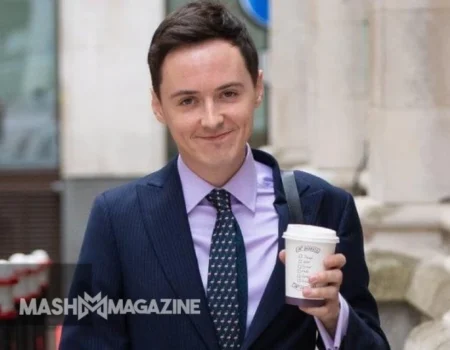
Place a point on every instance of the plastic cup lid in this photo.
(41, 256)
(19, 261)
(311, 233)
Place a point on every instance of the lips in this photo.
(216, 137)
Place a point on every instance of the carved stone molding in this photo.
(431, 335)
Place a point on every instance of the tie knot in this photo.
(220, 199)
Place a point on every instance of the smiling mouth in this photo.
(216, 137)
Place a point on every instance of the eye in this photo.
(186, 101)
(230, 94)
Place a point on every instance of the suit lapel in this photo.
(167, 225)
(273, 298)
(164, 214)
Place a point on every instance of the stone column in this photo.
(409, 168)
(410, 101)
(409, 171)
(288, 132)
(108, 134)
(107, 125)
(339, 88)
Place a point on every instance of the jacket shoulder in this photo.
(124, 196)
(316, 183)
(334, 201)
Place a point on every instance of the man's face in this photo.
(207, 100)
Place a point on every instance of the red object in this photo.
(58, 330)
(9, 281)
(39, 343)
(8, 315)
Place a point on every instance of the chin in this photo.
(217, 160)
(225, 155)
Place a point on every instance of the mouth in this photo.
(217, 137)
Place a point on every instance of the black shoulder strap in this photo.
(292, 197)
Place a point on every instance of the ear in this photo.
(157, 108)
(259, 88)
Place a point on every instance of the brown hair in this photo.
(196, 22)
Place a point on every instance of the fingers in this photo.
(333, 277)
(335, 261)
(328, 313)
(282, 256)
(328, 292)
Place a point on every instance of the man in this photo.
(208, 225)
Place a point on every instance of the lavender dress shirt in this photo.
(252, 196)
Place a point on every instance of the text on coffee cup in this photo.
(307, 248)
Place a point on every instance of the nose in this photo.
(210, 118)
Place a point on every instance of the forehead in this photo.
(203, 66)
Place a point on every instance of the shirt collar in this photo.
(243, 185)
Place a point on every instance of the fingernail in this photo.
(313, 279)
(306, 291)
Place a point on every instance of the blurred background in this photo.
(356, 91)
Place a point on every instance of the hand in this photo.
(331, 279)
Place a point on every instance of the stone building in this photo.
(362, 99)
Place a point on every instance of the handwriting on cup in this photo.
(297, 286)
(305, 256)
(307, 248)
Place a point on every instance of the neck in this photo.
(217, 175)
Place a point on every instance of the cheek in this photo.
(244, 115)
(182, 125)
(237, 108)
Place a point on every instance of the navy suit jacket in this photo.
(138, 245)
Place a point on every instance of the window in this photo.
(28, 128)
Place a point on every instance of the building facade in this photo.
(357, 92)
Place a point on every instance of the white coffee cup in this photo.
(306, 248)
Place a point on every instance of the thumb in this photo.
(282, 256)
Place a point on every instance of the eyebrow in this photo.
(193, 92)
